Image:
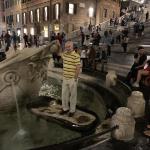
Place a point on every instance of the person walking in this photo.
(71, 69)
(2, 51)
(125, 40)
(140, 29)
(82, 38)
(25, 37)
(147, 16)
(14, 40)
(7, 41)
(91, 58)
(107, 39)
(36, 40)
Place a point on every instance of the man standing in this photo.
(71, 69)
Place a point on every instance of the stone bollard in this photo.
(136, 103)
(111, 78)
(124, 119)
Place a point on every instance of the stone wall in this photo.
(2, 24)
(109, 5)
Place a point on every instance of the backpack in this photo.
(140, 27)
(112, 41)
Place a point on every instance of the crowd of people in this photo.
(6, 40)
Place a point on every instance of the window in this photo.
(113, 14)
(45, 31)
(24, 18)
(57, 11)
(32, 31)
(18, 18)
(31, 16)
(45, 13)
(56, 27)
(25, 31)
(91, 12)
(18, 32)
(105, 13)
(71, 8)
(38, 15)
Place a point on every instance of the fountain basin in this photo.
(43, 134)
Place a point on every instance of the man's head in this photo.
(69, 46)
(141, 50)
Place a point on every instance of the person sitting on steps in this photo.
(141, 73)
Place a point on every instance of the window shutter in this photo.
(16, 18)
(40, 13)
(48, 16)
(35, 16)
(26, 18)
(59, 10)
(75, 8)
(54, 12)
(29, 13)
(22, 19)
(12, 19)
(67, 8)
(43, 15)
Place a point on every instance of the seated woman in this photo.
(139, 62)
(141, 73)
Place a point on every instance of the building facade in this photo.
(2, 16)
(13, 18)
(43, 16)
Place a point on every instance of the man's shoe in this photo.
(71, 114)
(62, 112)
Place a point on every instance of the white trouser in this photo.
(69, 94)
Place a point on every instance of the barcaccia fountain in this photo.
(37, 122)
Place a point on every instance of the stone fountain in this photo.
(22, 75)
(27, 70)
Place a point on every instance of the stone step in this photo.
(132, 47)
(121, 70)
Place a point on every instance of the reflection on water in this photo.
(40, 132)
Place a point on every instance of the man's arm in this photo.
(77, 72)
(141, 66)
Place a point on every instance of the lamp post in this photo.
(91, 13)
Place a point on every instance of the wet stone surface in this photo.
(53, 110)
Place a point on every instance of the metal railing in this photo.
(104, 25)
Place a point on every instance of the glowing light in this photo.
(91, 12)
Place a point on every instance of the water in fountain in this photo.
(39, 131)
(21, 132)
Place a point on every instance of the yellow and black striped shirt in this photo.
(70, 62)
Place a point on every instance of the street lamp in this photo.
(91, 13)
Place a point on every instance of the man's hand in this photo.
(77, 72)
